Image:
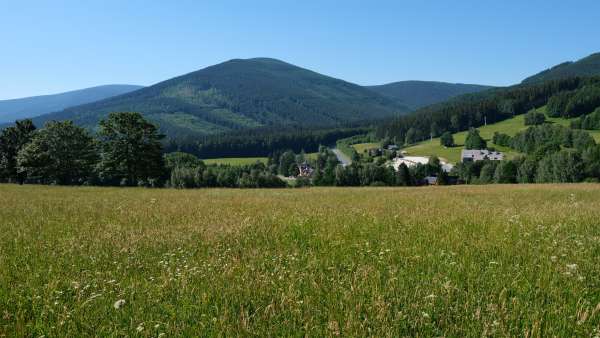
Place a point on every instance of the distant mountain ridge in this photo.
(241, 94)
(588, 66)
(418, 94)
(15, 109)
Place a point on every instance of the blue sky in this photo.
(54, 46)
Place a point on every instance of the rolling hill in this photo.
(11, 110)
(588, 66)
(417, 94)
(240, 94)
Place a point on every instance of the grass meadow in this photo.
(458, 261)
(235, 161)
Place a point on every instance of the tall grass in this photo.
(450, 261)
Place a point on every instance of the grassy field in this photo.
(510, 127)
(235, 161)
(239, 161)
(458, 261)
(362, 147)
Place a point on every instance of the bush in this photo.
(501, 139)
(534, 118)
(474, 140)
(447, 140)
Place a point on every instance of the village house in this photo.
(474, 155)
(305, 170)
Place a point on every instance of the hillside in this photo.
(240, 94)
(417, 94)
(11, 110)
(588, 66)
(510, 127)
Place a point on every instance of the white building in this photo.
(474, 155)
(411, 161)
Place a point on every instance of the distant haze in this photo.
(11, 110)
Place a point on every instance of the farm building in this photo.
(474, 155)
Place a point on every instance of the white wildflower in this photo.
(118, 304)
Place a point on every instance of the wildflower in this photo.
(140, 327)
(572, 266)
(118, 304)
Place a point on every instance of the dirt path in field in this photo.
(345, 160)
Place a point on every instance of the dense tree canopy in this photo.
(59, 153)
(131, 150)
(12, 140)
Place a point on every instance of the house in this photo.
(431, 180)
(305, 170)
(474, 155)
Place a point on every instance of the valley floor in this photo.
(460, 261)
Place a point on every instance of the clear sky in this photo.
(58, 45)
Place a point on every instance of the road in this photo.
(345, 160)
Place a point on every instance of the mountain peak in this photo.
(588, 66)
(242, 93)
(417, 94)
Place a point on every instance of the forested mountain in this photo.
(11, 110)
(242, 94)
(588, 66)
(417, 94)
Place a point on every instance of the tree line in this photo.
(261, 142)
(127, 151)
